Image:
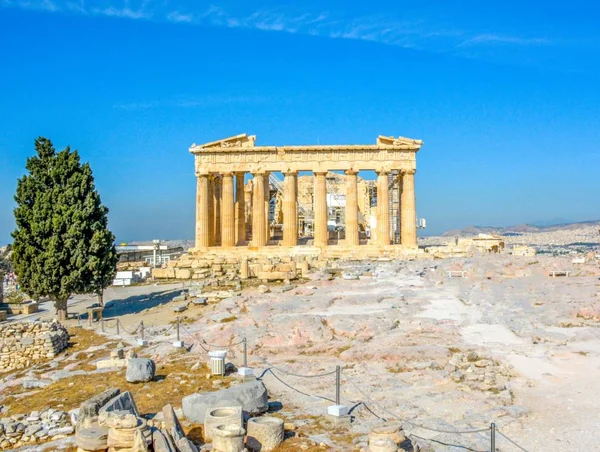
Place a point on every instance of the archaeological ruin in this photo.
(340, 210)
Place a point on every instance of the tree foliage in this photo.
(62, 244)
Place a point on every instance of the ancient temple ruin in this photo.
(266, 210)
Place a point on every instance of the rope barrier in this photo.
(222, 346)
(510, 440)
(131, 332)
(269, 370)
(358, 404)
(293, 374)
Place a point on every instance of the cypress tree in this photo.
(62, 245)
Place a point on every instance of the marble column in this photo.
(383, 209)
(290, 209)
(320, 209)
(248, 209)
(258, 210)
(267, 207)
(217, 209)
(352, 237)
(408, 213)
(202, 217)
(240, 210)
(211, 210)
(227, 212)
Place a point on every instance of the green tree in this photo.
(62, 245)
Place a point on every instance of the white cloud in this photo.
(500, 39)
(124, 12)
(176, 16)
(380, 29)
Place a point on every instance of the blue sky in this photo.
(505, 95)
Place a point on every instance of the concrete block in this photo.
(337, 410)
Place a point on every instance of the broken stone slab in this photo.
(67, 430)
(185, 445)
(91, 407)
(140, 370)
(160, 443)
(172, 424)
(200, 301)
(252, 396)
(122, 402)
(180, 308)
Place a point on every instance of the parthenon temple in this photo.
(339, 209)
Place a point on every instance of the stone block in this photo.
(30, 308)
(111, 364)
(140, 370)
(251, 396)
(199, 301)
(163, 273)
(183, 273)
(275, 276)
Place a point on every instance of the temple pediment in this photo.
(237, 141)
(393, 141)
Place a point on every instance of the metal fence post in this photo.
(118, 329)
(337, 384)
(178, 340)
(102, 323)
(142, 326)
(78, 319)
(245, 352)
(493, 436)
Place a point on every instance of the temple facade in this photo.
(230, 213)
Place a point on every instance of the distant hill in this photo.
(518, 229)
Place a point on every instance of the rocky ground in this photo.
(506, 344)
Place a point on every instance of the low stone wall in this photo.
(21, 344)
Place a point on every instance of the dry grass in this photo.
(173, 381)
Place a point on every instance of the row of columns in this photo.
(221, 210)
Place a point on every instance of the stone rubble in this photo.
(36, 427)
